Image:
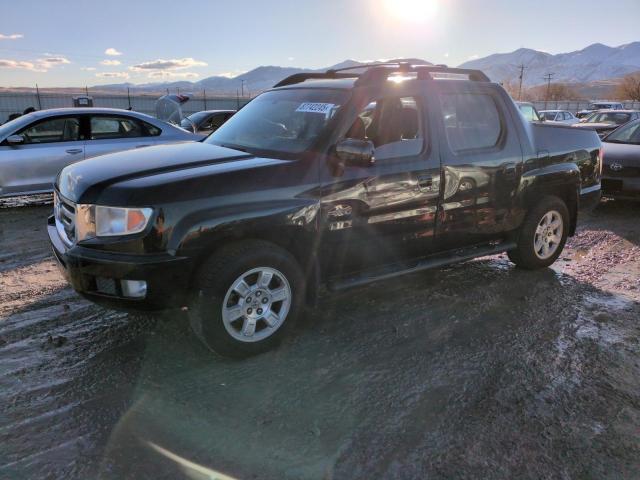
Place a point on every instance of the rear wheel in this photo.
(543, 235)
(248, 295)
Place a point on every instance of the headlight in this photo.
(101, 221)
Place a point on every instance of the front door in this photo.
(385, 213)
(49, 145)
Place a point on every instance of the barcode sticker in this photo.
(324, 108)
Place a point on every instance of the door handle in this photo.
(142, 146)
(74, 151)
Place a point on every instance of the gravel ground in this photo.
(474, 371)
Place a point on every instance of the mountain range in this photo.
(594, 63)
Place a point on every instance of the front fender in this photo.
(204, 228)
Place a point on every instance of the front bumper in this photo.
(621, 187)
(87, 269)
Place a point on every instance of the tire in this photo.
(539, 228)
(232, 313)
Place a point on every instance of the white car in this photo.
(559, 116)
(36, 146)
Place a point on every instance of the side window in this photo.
(394, 126)
(527, 111)
(471, 121)
(217, 121)
(104, 127)
(151, 130)
(52, 130)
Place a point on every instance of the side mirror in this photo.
(15, 139)
(356, 153)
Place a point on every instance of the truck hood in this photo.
(82, 181)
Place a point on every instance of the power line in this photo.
(522, 69)
(548, 77)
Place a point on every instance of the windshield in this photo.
(627, 134)
(283, 121)
(599, 106)
(193, 119)
(14, 125)
(609, 117)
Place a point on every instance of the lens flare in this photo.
(417, 11)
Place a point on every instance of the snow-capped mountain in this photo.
(595, 62)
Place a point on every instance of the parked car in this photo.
(596, 106)
(559, 116)
(621, 172)
(529, 111)
(347, 179)
(36, 146)
(206, 122)
(606, 121)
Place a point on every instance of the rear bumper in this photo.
(89, 270)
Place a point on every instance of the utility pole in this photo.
(548, 79)
(522, 69)
(242, 84)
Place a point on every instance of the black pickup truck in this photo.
(333, 179)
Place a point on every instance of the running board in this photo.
(459, 255)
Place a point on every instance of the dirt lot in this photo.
(474, 371)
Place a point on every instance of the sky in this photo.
(66, 43)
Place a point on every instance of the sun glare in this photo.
(412, 10)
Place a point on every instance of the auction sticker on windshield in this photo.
(308, 107)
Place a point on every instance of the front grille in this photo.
(65, 215)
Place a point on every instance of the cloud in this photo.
(13, 36)
(112, 75)
(88, 69)
(165, 74)
(173, 64)
(110, 63)
(21, 65)
(474, 57)
(52, 60)
(446, 55)
(112, 52)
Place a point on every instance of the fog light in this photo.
(134, 288)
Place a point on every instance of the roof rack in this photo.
(379, 72)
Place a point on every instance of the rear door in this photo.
(482, 165)
(111, 133)
(50, 144)
(384, 213)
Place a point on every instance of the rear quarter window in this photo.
(471, 120)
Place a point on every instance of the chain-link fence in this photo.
(575, 106)
(17, 102)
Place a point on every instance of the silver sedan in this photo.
(36, 146)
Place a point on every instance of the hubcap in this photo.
(548, 235)
(256, 304)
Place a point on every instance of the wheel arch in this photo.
(560, 180)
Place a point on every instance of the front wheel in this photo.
(543, 235)
(248, 294)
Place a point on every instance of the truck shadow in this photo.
(426, 374)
